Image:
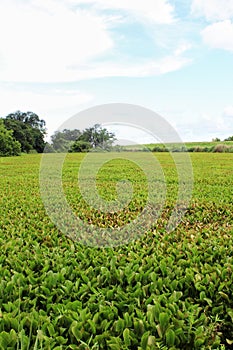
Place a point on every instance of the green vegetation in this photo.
(27, 133)
(62, 140)
(164, 291)
(214, 146)
(8, 145)
(28, 129)
(75, 140)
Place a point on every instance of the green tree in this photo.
(48, 148)
(230, 138)
(29, 118)
(28, 129)
(80, 146)
(77, 141)
(8, 146)
(216, 139)
(62, 140)
(98, 137)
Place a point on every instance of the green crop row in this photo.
(162, 291)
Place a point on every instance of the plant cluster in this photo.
(163, 291)
(92, 138)
(27, 132)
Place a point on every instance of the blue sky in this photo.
(174, 57)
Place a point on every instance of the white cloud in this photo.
(159, 11)
(39, 42)
(213, 9)
(128, 69)
(207, 126)
(62, 41)
(182, 49)
(219, 35)
(228, 112)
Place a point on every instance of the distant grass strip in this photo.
(209, 147)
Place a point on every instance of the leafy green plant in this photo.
(163, 291)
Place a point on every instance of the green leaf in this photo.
(225, 296)
(75, 329)
(202, 295)
(151, 341)
(126, 337)
(5, 339)
(170, 337)
(144, 340)
(92, 325)
(120, 325)
(163, 320)
(51, 330)
(139, 327)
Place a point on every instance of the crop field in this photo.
(163, 290)
(200, 144)
(197, 146)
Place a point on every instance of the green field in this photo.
(200, 144)
(165, 290)
(197, 146)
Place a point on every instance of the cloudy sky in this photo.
(58, 57)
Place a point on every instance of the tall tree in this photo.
(98, 137)
(77, 141)
(230, 138)
(29, 118)
(28, 130)
(8, 146)
(62, 140)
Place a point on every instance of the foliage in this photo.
(82, 141)
(80, 146)
(163, 291)
(216, 139)
(29, 118)
(214, 146)
(48, 148)
(221, 148)
(98, 137)
(8, 145)
(230, 138)
(62, 140)
(27, 129)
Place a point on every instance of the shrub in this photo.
(198, 149)
(80, 146)
(220, 148)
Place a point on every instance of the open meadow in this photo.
(165, 290)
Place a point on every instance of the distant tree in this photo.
(29, 118)
(62, 140)
(48, 148)
(77, 141)
(216, 139)
(28, 129)
(80, 146)
(71, 135)
(230, 138)
(8, 146)
(98, 137)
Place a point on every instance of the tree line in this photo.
(21, 132)
(92, 138)
(25, 132)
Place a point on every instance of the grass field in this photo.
(200, 144)
(189, 145)
(163, 291)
